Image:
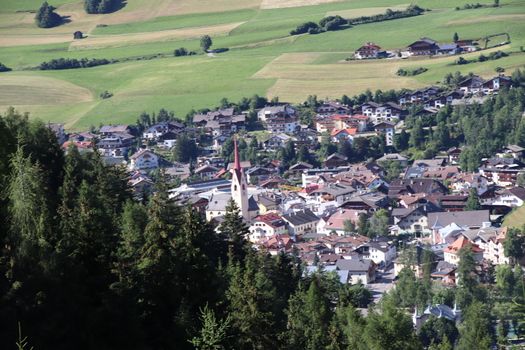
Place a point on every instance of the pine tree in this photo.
(251, 295)
(308, 317)
(234, 230)
(475, 330)
(391, 328)
(214, 333)
(206, 42)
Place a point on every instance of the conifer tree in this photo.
(475, 329)
(46, 16)
(234, 230)
(214, 332)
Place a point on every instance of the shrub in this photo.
(106, 94)
(304, 28)
(180, 52)
(4, 68)
(402, 72)
(461, 60)
(332, 22)
(499, 70)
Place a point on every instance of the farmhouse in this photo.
(423, 46)
(368, 50)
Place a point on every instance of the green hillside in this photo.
(262, 59)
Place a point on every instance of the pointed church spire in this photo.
(237, 162)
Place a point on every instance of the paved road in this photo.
(382, 284)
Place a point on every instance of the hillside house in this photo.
(144, 159)
(502, 171)
(423, 46)
(369, 50)
(266, 226)
(301, 222)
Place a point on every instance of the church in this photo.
(238, 192)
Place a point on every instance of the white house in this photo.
(143, 159)
(266, 226)
(301, 222)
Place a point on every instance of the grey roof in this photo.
(354, 265)
(301, 217)
(392, 156)
(470, 218)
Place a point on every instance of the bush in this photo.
(461, 61)
(106, 94)
(304, 28)
(4, 68)
(499, 70)
(402, 72)
(72, 63)
(180, 52)
(482, 58)
(46, 16)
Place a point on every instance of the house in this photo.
(448, 49)
(387, 129)
(423, 46)
(453, 154)
(301, 222)
(419, 96)
(115, 144)
(144, 159)
(380, 252)
(394, 157)
(512, 197)
(154, 132)
(412, 219)
(445, 273)
(336, 223)
(333, 192)
(379, 112)
(451, 252)
(368, 50)
(464, 219)
(222, 122)
(439, 311)
(335, 160)
(400, 187)
(328, 107)
(490, 239)
(502, 171)
(265, 226)
(515, 151)
(471, 85)
(369, 201)
(107, 130)
(258, 174)
(271, 111)
(268, 202)
(299, 167)
(206, 172)
(277, 141)
(278, 244)
(495, 84)
(463, 182)
(343, 135)
(359, 270)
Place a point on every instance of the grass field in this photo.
(516, 218)
(263, 58)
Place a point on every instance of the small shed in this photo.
(78, 35)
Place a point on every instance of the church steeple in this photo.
(239, 186)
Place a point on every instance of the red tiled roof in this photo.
(462, 242)
(349, 131)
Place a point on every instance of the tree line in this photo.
(73, 63)
(331, 23)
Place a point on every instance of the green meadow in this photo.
(262, 58)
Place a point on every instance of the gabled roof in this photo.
(354, 265)
(460, 243)
(141, 153)
(471, 218)
(348, 131)
(301, 217)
